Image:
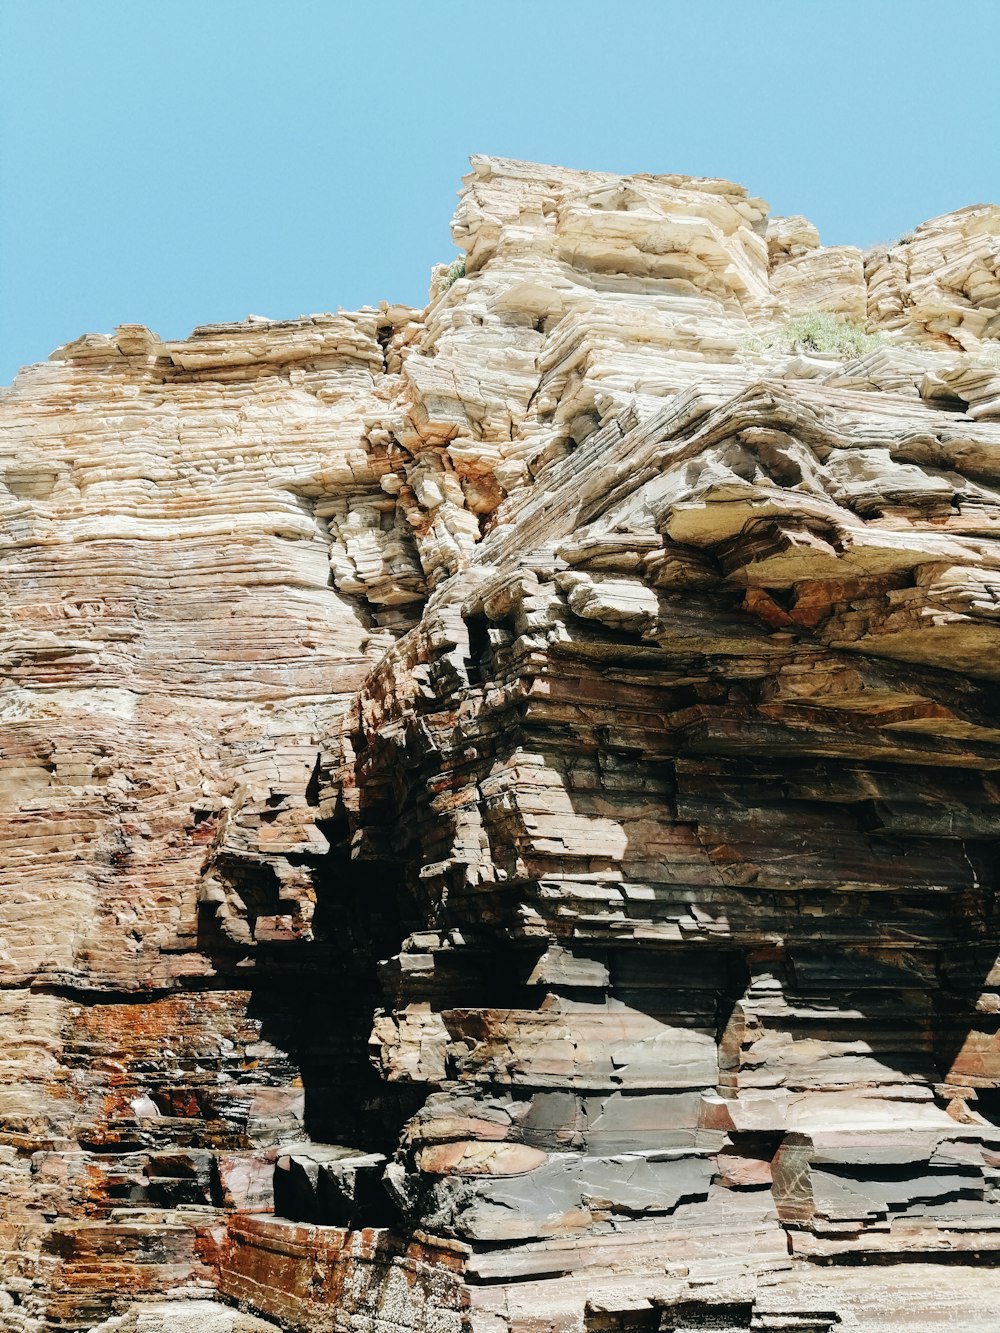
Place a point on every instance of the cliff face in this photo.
(500, 802)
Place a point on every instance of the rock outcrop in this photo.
(500, 802)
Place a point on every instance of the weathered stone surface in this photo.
(185, 1317)
(500, 802)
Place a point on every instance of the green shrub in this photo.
(818, 332)
(452, 274)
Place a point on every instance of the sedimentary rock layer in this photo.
(500, 802)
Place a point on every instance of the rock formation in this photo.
(500, 802)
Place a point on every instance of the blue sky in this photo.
(183, 163)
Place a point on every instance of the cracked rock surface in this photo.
(500, 801)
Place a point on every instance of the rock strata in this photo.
(500, 802)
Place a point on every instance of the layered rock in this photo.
(500, 801)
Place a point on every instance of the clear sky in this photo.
(185, 162)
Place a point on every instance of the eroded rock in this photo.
(500, 801)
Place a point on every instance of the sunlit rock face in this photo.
(500, 802)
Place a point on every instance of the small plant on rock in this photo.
(452, 274)
(822, 332)
(818, 332)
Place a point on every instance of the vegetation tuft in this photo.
(818, 332)
(452, 274)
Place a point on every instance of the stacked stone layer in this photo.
(500, 801)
